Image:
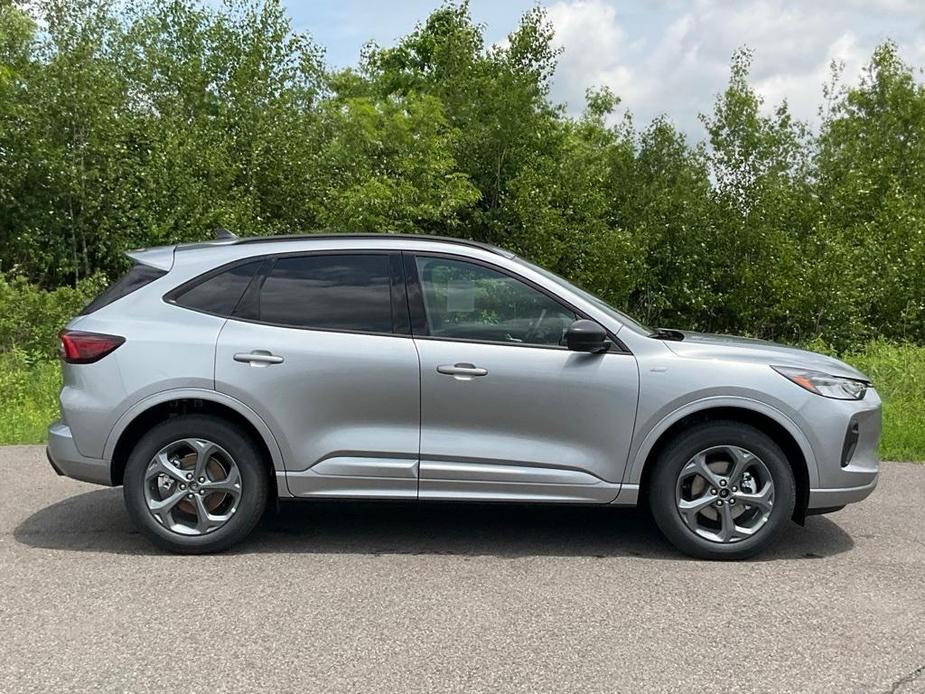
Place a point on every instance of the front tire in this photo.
(722, 490)
(194, 484)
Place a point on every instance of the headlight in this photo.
(824, 384)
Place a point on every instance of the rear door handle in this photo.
(462, 369)
(258, 357)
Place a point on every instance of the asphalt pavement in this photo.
(399, 597)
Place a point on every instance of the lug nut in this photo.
(722, 483)
(182, 486)
(735, 489)
(732, 501)
(712, 491)
(189, 476)
(202, 479)
(189, 496)
(719, 502)
(202, 492)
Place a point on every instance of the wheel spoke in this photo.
(741, 459)
(761, 500)
(204, 520)
(166, 505)
(698, 466)
(162, 465)
(690, 508)
(231, 484)
(204, 451)
(728, 528)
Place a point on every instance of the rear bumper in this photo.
(66, 459)
(827, 498)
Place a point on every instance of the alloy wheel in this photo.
(192, 486)
(725, 494)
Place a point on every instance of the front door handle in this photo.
(258, 357)
(462, 370)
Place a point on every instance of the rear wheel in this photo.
(722, 490)
(194, 484)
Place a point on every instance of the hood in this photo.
(728, 347)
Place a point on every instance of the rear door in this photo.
(508, 412)
(319, 348)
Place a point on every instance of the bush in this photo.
(30, 317)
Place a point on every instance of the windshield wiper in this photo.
(667, 334)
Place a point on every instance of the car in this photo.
(216, 378)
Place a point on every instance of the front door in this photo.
(507, 412)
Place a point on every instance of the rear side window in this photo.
(219, 293)
(329, 292)
(134, 279)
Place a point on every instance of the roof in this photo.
(230, 240)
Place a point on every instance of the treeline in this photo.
(137, 124)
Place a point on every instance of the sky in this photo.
(661, 56)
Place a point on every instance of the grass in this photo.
(29, 396)
(898, 374)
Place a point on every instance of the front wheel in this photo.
(194, 484)
(722, 490)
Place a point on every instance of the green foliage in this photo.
(28, 396)
(898, 373)
(30, 318)
(128, 123)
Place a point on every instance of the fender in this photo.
(630, 489)
(198, 394)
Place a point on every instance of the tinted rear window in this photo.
(219, 293)
(333, 292)
(134, 279)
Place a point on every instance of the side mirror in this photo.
(587, 336)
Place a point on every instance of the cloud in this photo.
(673, 57)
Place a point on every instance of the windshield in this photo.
(587, 296)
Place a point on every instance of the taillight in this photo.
(85, 348)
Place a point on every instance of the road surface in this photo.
(350, 597)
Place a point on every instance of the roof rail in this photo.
(225, 237)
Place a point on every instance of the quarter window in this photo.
(329, 292)
(136, 278)
(221, 292)
(472, 302)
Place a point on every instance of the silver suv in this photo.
(216, 377)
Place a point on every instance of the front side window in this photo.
(329, 292)
(467, 301)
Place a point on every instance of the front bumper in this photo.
(845, 437)
(834, 498)
(66, 459)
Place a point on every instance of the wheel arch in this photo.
(152, 410)
(783, 431)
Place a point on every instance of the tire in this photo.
(197, 519)
(707, 529)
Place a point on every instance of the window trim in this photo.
(397, 289)
(419, 326)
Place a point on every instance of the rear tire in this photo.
(194, 484)
(722, 490)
